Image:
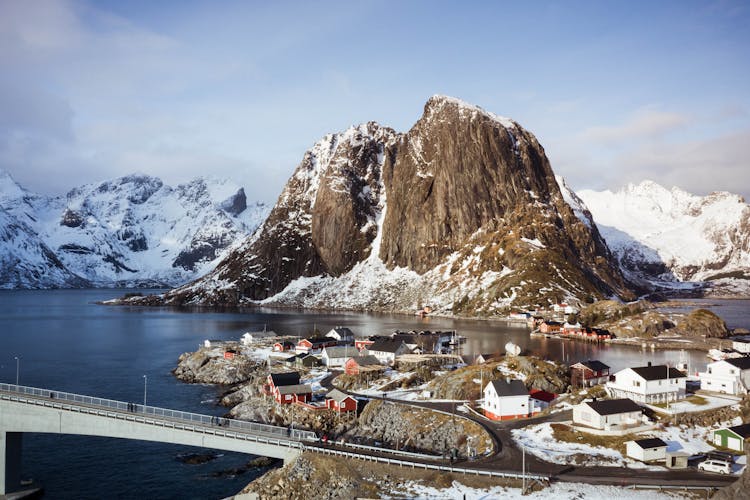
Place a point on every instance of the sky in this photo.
(616, 92)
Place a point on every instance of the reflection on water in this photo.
(66, 342)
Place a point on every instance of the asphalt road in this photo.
(508, 456)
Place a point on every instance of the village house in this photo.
(275, 380)
(336, 357)
(732, 438)
(231, 353)
(540, 400)
(387, 350)
(741, 344)
(730, 376)
(425, 342)
(304, 360)
(287, 394)
(362, 344)
(315, 345)
(283, 346)
(564, 308)
(363, 365)
(648, 384)
(550, 327)
(608, 414)
(588, 373)
(343, 335)
(340, 401)
(506, 400)
(646, 450)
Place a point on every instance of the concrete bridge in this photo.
(28, 409)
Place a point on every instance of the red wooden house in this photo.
(362, 364)
(283, 346)
(315, 345)
(287, 394)
(340, 402)
(588, 373)
(550, 327)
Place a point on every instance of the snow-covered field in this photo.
(557, 491)
(539, 441)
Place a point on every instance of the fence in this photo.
(174, 415)
(443, 468)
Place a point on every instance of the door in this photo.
(717, 439)
(734, 443)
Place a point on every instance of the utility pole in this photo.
(523, 469)
(18, 368)
(145, 388)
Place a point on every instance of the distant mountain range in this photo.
(665, 238)
(462, 213)
(129, 232)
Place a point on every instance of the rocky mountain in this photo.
(130, 231)
(670, 238)
(462, 213)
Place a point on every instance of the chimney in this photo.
(649, 363)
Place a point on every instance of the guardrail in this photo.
(393, 451)
(420, 465)
(175, 415)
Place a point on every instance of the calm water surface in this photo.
(68, 343)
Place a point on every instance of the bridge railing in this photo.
(182, 416)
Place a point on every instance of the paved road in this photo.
(508, 456)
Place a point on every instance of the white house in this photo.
(731, 376)
(336, 357)
(741, 344)
(506, 400)
(342, 334)
(386, 350)
(646, 450)
(648, 384)
(608, 414)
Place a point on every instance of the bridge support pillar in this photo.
(10, 461)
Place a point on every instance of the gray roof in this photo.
(341, 352)
(337, 395)
(295, 389)
(367, 361)
(510, 388)
(657, 372)
(741, 363)
(386, 345)
(613, 406)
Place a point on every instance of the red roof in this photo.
(545, 396)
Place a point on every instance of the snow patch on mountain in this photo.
(674, 235)
(135, 230)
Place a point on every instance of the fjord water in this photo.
(68, 343)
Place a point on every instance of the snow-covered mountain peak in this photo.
(135, 229)
(437, 103)
(693, 237)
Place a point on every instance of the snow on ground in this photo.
(557, 491)
(314, 378)
(540, 442)
(712, 402)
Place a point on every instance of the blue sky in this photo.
(616, 92)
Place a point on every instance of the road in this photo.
(508, 456)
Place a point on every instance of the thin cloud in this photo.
(643, 124)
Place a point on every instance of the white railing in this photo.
(421, 465)
(163, 413)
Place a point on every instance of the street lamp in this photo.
(18, 366)
(145, 388)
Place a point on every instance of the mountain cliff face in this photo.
(462, 213)
(666, 237)
(130, 231)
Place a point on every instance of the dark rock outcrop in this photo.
(463, 185)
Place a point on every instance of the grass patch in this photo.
(697, 400)
(565, 433)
